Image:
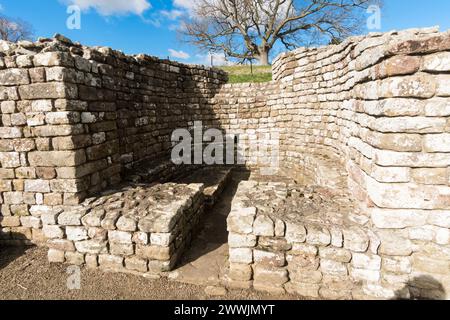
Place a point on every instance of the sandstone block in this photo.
(42, 186)
(236, 240)
(136, 264)
(74, 258)
(70, 218)
(241, 255)
(295, 233)
(355, 239)
(53, 232)
(272, 259)
(331, 267)
(91, 246)
(270, 276)
(11, 77)
(397, 265)
(317, 235)
(126, 224)
(241, 221)
(76, 233)
(154, 252)
(336, 254)
(56, 158)
(366, 261)
(119, 237)
(263, 226)
(49, 90)
(110, 261)
(121, 249)
(240, 272)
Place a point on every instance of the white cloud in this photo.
(179, 54)
(113, 7)
(218, 59)
(172, 14)
(185, 4)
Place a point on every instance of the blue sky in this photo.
(148, 26)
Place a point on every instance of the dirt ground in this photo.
(26, 274)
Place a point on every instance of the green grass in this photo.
(242, 74)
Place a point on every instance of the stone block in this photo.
(271, 259)
(295, 233)
(136, 264)
(49, 90)
(91, 246)
(263, 226)
(241, 255)
(112, 262)
(336, 254)
(236, 240)
(76, 233)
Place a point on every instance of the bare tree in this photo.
(14, 29)
(249, 29)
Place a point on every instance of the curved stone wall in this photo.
(376, 108)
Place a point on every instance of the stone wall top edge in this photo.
(60, 43)
(423, 33)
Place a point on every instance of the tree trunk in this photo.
(263, 57)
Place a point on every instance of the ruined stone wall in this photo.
(73, 119)
(375, 108)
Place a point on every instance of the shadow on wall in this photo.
(422, 288)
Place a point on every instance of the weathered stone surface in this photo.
(119, 237)
(56, 158)
(53, 232)
(154, 252)
(333, 268)
(241, 255)
(51, 90)
(263, 226)
(70, 218)
(110, 261)
(91, 246)
(76, 233)
(272, 276)
(295, 233)
(241, 221)
(136, 264)
(240, 272)
(317, 235)
(236, 240)
(74, 258)
(336, 254)
(272, 259)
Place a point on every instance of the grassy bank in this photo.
(243, 74)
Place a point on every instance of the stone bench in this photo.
(288, 238)
(141, 228)
(214, 179)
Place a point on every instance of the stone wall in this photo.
(73, 119)
(375, 108)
